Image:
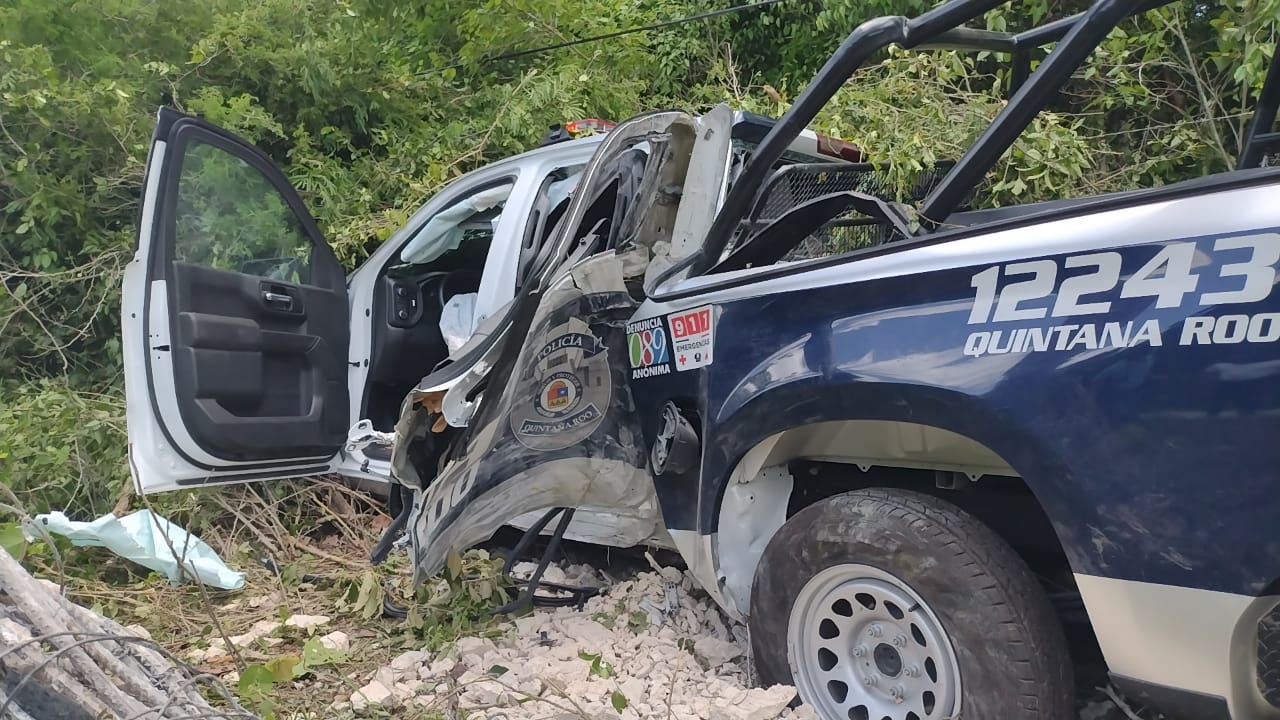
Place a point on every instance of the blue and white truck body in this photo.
(907, 441)
(1088, 387)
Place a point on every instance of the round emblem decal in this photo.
(564, 389)
(559, 395)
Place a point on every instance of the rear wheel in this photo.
(895, 605)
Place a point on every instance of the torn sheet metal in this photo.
(604, 526)
(548, 415)
(362, 435)
(560, 431)
(704, 171)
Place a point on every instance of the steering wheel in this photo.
(457, 282)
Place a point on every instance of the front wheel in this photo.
(893, 605)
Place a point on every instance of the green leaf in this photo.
(368, 600)
(315, 654)
(256, 681)
(13, 541)
(283, 668)
(618, 701)
(497, 671)
(454, 564)
(414, 619)
(599, 667)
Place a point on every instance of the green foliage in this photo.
(460, 602)
(370, 107)
(599, 667)
(258, 681)
(13, 541)
(230, 217)
(61, 448)
(365, 598)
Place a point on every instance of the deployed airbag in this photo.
(443, 232)
(458, 320)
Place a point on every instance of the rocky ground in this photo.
(650, 647)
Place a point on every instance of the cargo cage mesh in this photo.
(1268, 669)
(798, 183)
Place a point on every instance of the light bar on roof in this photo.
(589, 126)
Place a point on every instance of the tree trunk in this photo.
(59, 660)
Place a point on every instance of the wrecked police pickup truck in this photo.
(253, 356)
(900, 461)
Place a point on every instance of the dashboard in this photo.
(407, 341)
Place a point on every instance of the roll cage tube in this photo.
(1260, 137)
(941, 27)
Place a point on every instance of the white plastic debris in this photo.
(150, 541)
(260, 630)
(306, 622)
(336, 640)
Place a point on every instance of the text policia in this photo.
(1209, 272)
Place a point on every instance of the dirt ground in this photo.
(318, 633)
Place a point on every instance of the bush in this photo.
(370, 107)
(62, 448)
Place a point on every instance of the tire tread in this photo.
(1024, 618)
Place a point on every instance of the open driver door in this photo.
(234, 314)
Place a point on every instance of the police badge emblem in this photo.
(566, 388)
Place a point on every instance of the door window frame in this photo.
(163, 240)
(161, 255)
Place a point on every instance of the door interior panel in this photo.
(258, 377)
(253, 381)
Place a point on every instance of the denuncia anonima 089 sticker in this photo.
(565, 389)
(648, 348)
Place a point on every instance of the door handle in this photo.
(280, 300)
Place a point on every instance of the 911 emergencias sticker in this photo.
(691, 337)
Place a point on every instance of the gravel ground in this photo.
(651, 647)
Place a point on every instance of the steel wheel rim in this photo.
(864, 646)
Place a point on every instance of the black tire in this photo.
(1008, 643)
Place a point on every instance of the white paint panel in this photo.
(1197, 640)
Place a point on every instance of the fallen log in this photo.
(60, 660)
